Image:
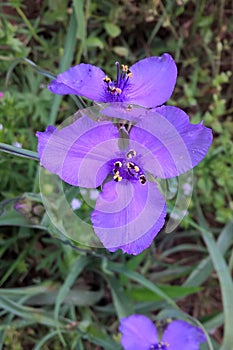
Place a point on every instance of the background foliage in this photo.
(53, 296)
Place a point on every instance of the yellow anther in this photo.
(107, 79)
(131, 154)
(129, 74)
(142, 179)
(118, 164)
(111, 89)
(118, 90)
(125, 68)
(117, 178)
(130, 165)
(136, 168)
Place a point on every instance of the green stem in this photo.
(39, 70)
(20, 152)
(224, 277)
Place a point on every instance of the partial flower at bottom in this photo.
(130, 210)
(139, 332)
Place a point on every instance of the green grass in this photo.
(55, 294)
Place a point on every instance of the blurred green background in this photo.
(51, 295)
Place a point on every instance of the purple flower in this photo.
(130, 209)
(139, 332)
(148, 83)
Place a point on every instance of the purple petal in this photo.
(79, 153)
(123, 111)
(44, 137)
(152, 82)
(170, 145)
(138, 333)
(182, 335)
(83, 79)
(128, 215)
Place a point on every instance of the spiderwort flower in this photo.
(130, 209)
(139, 332)
(148, 83)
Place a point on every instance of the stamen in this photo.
(129, 73)
(142, 179)
(131, 154)
(117, 177)
(123, 169)
(124, 68)
(118, 90)
(130, 165)
(107, 79)
(129, 108)
(110, 89)
(159, 346)
(118, 164)
(114, 90)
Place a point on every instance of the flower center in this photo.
(116, 88)
(126, 168)
(159, 346)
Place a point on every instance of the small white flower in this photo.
(17, 144)
(187, 188)
(75, 203)
(94, 194)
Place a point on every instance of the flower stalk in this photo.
(20, 152)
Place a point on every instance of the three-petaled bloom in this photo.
(148, 83)
(139, 332)
(130, 209)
